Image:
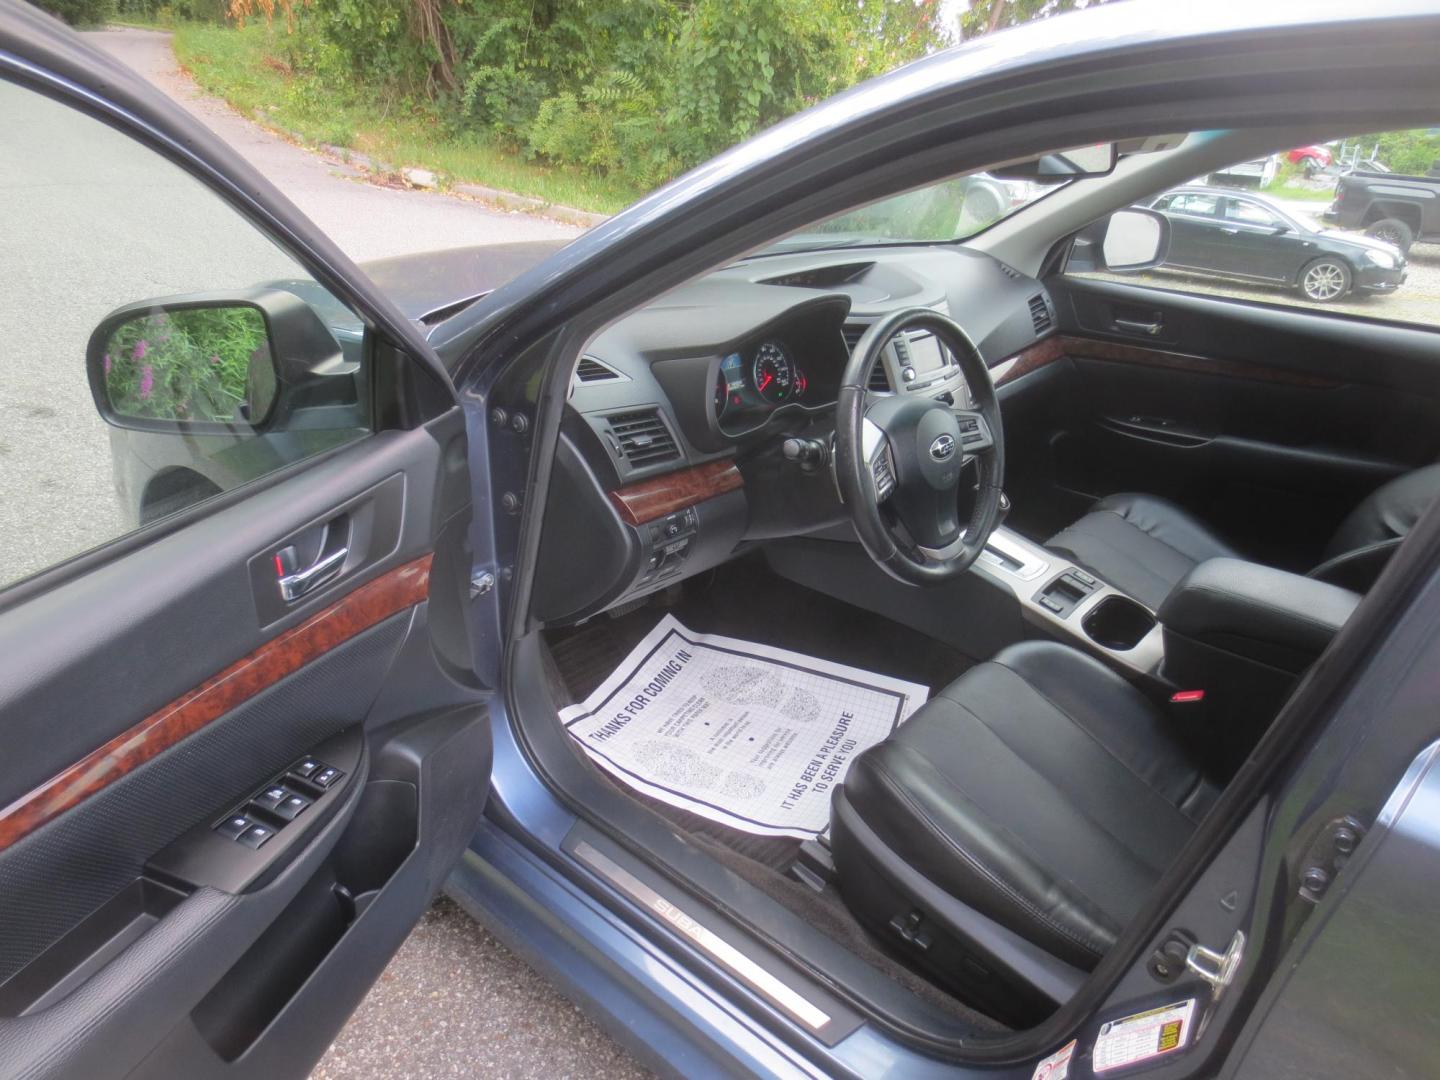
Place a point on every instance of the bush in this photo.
(192, 364)
(79, 12)
(1409, 152)
(640, 89)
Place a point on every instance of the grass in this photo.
(1295, 191)
(246, 67)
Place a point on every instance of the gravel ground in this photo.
(455, 1002)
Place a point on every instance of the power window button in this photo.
(271, 797)
(233, 826)
(326, 776)
(291, 807)
(307, 768)
(256, 835)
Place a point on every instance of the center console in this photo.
(1229, 641)
(1068, 602)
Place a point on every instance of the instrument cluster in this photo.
(758, 380)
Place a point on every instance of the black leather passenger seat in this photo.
(1040, 790)
(1144, 545)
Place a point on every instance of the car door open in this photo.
(244, 745)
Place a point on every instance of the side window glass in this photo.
(160, 349)
(1349, 228)
(1195, 205)
(1249, 213)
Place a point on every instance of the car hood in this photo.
(429, 286)
(1363, 242)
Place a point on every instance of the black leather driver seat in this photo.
(1007, 832)
(1144, 545)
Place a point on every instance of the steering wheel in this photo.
(899, 458)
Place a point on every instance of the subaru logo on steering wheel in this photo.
(942, 447)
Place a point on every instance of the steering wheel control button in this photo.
(326, 777)
(271, 797)
(256, 835)
(292, 807)
(233, 826)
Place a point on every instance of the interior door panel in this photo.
(1268, 423)
(137, 939)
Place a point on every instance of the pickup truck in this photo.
(1388, 206)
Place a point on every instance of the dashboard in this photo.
(683, 417)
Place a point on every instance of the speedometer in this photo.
(772, 373)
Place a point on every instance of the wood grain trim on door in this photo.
(654, 498)
(1146, 356)
(371, 603)
(1046, 352)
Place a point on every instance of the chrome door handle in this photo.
(1134, 327)
(302, 582)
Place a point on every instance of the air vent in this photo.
(1040, 314)
(591, 370)
(1008, 270)
(642, 438)
(879, 382)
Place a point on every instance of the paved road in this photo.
(368, 222)
(92, 221)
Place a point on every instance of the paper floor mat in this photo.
(747, 735)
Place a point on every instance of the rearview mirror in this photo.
(223, 363)
(1094, 160)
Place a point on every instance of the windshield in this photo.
(953, 209)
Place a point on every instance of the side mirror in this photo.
(1129, 239)
(1280, 229)
(232, 363)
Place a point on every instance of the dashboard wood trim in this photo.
(1037, 356)
(1058, 347)
(647, 500)
(392, 592)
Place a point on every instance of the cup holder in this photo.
(1118, 623)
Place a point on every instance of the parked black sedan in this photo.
(1218, 231)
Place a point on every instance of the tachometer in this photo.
(772, 373)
